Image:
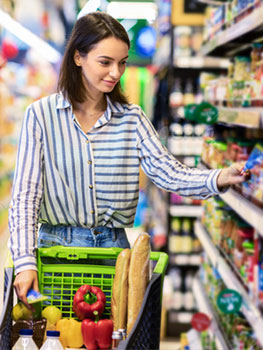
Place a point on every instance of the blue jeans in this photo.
(69, 236)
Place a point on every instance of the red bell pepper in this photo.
(87, 300)
(97, 334)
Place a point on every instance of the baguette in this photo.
(119, 300)
(138, 277)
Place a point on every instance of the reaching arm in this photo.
(26, 200)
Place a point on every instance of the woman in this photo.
(79, 154)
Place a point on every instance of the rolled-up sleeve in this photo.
(166, 171)
(26, 194)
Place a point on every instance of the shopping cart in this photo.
(62, 270)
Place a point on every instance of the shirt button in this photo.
(89, 162)
(90, 186)
(92, 211)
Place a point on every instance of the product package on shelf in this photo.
(225, 305)
(238, 243)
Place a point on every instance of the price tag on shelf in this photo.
(200, 321)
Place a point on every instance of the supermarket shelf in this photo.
(249, 309)
(180, 316)
(237, 37)
(199, 62)
(186, 210)
(251, 213)
(185, 259)
(212, 2)
(205, 306)
(247, 210)
(248, 117)
(185, 146)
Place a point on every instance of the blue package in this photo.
(255, 157)
(34, 296)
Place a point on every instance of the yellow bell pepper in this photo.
(70, 333)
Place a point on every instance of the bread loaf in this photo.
(119, 300)
(138, 277)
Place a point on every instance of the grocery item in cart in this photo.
(138, 277)
(119, 300)
(25, 341)
(38, 326)
(52, 342)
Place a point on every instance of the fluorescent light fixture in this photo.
(90, 6)
(133, 10)
(44, 49)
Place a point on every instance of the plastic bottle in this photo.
(52, 342)
(25, 341)
(116, 338)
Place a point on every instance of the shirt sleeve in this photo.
(26, 194)
(166, 171)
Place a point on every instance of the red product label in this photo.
(200, 321)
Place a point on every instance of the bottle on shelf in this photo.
(176, 95)
(25, 341)
(52, 342)
(189, 96)
(187, 240)
(175, 239)
(189, 302)
(177, 281)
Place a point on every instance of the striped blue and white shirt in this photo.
(64, 176)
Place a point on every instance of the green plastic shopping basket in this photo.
(62, 270)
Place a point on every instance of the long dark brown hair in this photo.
(86, 33)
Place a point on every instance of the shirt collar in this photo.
(62, 102)
(115, 108)
(112, 108)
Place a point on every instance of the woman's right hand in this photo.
(24, 281)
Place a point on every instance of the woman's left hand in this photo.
(232, 175)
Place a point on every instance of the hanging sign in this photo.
(200, 321)
(229, 301)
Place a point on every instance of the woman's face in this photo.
(104, 65)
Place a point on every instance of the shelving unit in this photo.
(205, 306)
(245, 208)
(185, 259)
(247, 117)
(237, 37)
(249, 308)
(200, 62)
(250, 212)
(186, 210)
(182, 147)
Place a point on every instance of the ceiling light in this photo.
(133, 10)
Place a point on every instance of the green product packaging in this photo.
(206, 113)
(189, 111)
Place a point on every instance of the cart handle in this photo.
(76, 253)
(162, 261)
